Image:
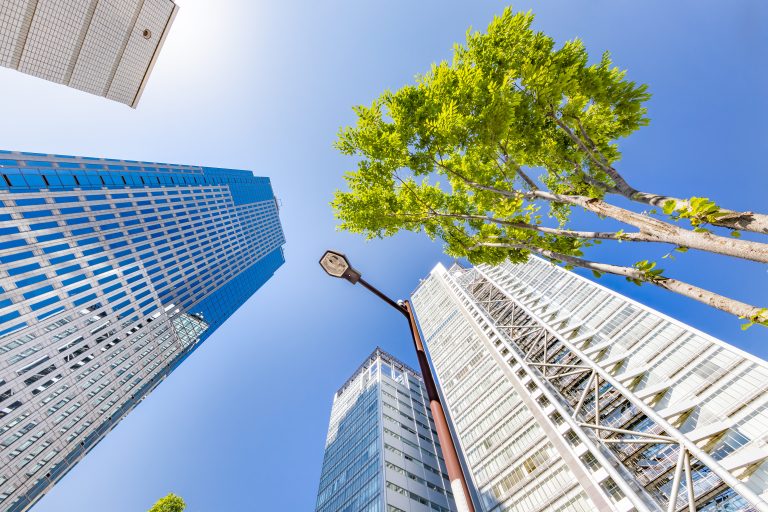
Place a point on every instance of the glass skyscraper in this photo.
(382, 453)
(567, 396)
(111, 273)
(104, 47)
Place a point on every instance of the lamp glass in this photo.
(334, 264)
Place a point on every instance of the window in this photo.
(612, 490)
(590, 461)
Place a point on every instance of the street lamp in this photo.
(337, 265)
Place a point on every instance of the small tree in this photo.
(170, 503)
(452, 156)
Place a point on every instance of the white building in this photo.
(104, 47)
(565, 395)
(382, 453)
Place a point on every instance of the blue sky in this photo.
(265, 86)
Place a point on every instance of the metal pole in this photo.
(459, 485)
(455, 474)
(383, 297)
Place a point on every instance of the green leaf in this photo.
(170, 503)
(736, 234)
(446, 155)
(669, 206)
(597, 274)
(681, 249)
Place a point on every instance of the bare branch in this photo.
(726, 304)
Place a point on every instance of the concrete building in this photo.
(382, 453)
(566, 396)
(104, 47)
(112, 272)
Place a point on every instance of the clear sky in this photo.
(259, 85)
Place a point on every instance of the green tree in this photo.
(453, 155)
(170, 503)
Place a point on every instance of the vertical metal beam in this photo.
(584, 394)
(689, 482)
(676, 481)
(597, 403)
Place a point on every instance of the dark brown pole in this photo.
(459, 485)
(455, 474)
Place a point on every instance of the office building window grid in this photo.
(104, 47)
(511, 461)
(14, 16)
(570, 341)
(381, 451)
(112, 272)
(152, 23)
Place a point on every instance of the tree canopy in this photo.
(454, 156)
(170, 503)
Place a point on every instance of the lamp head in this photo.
(336, 264)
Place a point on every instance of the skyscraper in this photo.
(112, 272)
(104, 47)
(382, 453)
(565, 395)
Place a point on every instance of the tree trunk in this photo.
(732, 306)
(653, 229)
(745, 221)
(664, 231)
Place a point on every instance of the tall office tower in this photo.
(104, 47)
(382, 453)
(565, 395)
(111, 272)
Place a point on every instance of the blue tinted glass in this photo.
(55, 248)
(24, 268)
(30, 201)
(62, 259)
(30, 280)
(71, 280)
(10, 258)
(9, 316)
(38, 291)
(36, 214)
(66, 199)
(10, 244)
(44, 225)
(44, 303)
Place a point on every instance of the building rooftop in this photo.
(376, 355)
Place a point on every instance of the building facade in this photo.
(104, 47)
(566, 396)
(111, 273)
(382, 452)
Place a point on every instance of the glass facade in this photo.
(382, 453)
(565, 395)
(111, 273)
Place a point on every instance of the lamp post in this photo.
(336, 264)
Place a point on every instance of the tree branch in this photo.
(745, 221)
(656, 229)
(732, 306)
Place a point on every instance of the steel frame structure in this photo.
(655, 465)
